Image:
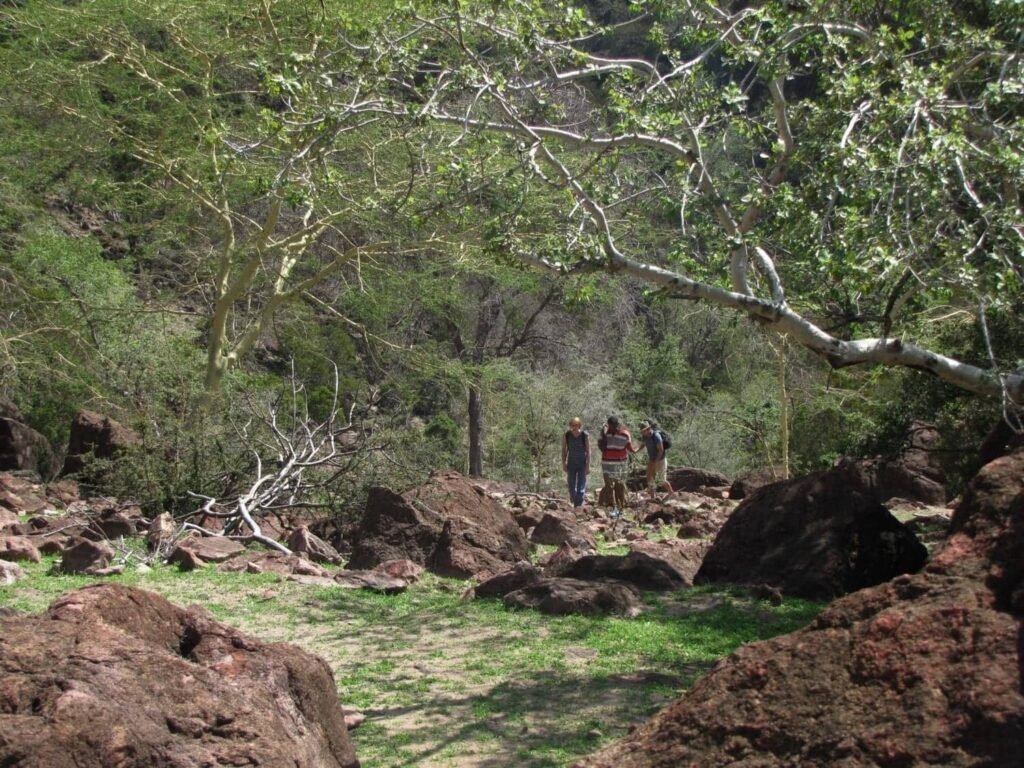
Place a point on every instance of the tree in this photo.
(843, 173)
(257, 126)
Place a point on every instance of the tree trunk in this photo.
(476, 428)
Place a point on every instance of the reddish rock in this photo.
(817, 537)
(21, 447)
(449, 525)
(564, 596)
(921, 671)
(685, 557)
(645, 571)
(529, 516)
(559, 561)
(302, 541)
(18, 548)
(394, 528)
(755, 479)
(519, 576)
(555, 528)
(144, 683)
(85, 556)
(96, 436)
(194, 551)
(466, 548)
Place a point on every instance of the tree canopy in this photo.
(846, 173)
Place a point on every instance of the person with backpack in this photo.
(616, 444)
(576, 461)
(656, 442)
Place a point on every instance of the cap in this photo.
(613, 421)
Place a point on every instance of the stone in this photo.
(922, 670)
(302, 540)
(818, 537)
(85, 556)
(145, 683)
(18, 548)
(94, 435)
(563, 596)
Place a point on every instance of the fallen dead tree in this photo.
(295, 458)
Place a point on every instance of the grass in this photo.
(446, 681)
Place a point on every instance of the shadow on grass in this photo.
(448, 682)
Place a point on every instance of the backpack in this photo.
(666, 440)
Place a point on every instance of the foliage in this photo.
(869, 167)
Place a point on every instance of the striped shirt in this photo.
(617, 445)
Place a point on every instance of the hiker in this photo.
(576, 461)
(616, 444)
(657, 462)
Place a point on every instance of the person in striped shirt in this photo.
(616, 445)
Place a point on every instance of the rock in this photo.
(695, 480)
(11, 572)
(529, 516)
(194, 551)
(519, 576)
(18, 548)
(394, 528)
(21, 447)
(564, 596)
(452, 496)
(96, 436)
(562, 558)
(85, 556)
(685, 557)
(466, 548)
(318, 550)
(145, 683)
(448, 525)
(555, 528)
(816, 537)
(642, 570)
(923, 670)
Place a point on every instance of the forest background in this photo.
(228, 224)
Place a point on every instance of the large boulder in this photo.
(21, 447)
(394, 528)
(818, 537)
(449, 525)
(921, 671)
(114, 676)
(916, 473)
(467, 548)
(96, 436)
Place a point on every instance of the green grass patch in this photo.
(448, 681)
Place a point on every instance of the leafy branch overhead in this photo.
(845, 176)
